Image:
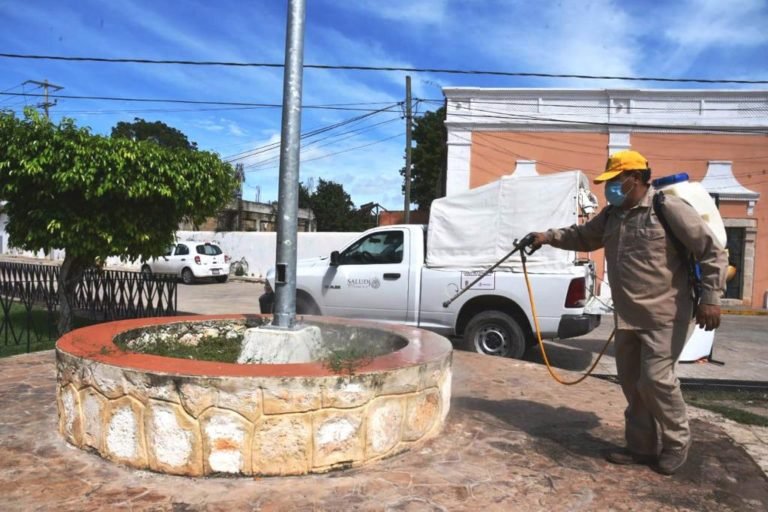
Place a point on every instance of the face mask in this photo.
(614, 194)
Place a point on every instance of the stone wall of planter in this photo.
(271, 422)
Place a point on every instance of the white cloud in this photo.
(702, 23)
(417, 12)
(597, 37)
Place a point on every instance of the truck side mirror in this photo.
(335, 259)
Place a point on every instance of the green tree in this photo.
(427, 158)
(333, 208)
(95, 196)
(305, 196)
(157, 132)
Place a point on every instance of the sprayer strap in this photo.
(682, 251)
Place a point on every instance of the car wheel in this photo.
(221, 279)
(187, 276)
(306, 306)
(146, 271)
(496, 334)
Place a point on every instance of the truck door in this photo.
(371, 280)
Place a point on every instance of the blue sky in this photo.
(686, 38)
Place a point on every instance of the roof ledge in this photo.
(721, 181)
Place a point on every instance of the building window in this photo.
(735, 245)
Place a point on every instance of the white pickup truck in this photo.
(382, 276)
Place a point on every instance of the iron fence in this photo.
(29, 301)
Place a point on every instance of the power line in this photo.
(318, 131)
(190, 102)
(379, 141)
(339, 137)
(380, 68)
(522, 117)
(579, 148)
(666, 110)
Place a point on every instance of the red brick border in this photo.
(96, 343)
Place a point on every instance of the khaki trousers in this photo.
(645, 364)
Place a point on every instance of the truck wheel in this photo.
(496, 334)
(306, 306)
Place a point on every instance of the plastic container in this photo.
(698, 346)
(694, 193)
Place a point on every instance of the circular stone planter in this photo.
(195, 418)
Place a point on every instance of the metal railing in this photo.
(29, 301)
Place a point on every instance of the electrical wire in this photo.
(337, 138)
(268, 147)
(522, 117)
(561, 145)
(408, 69)
(665, 110)
(188, 102)
(336, 153)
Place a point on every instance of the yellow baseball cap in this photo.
(621, 161)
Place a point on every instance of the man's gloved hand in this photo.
(537, 240)
(708, 316)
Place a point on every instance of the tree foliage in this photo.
(427, 159)
(333, 207)
(157, 132)
(96, 196)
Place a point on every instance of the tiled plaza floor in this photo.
(514, 440)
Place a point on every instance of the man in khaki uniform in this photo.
(653, 302)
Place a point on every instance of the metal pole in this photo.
(288, 192)
(407, 205)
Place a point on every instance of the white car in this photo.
(191, 260)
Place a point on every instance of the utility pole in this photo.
(408, 125)
(310, 190)
(45, 85)
(288, 191)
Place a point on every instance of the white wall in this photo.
(258, 248)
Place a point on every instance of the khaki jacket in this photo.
(649, 280)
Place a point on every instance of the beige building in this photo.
(242, 215)
(719, 137)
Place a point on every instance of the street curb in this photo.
(744, 312)
(258, 280)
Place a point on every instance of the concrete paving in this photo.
(212, 298)
(514, 440)
(741, 342)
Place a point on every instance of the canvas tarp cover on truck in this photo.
(476, 228)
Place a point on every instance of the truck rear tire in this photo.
(306, 306)
(495, 333)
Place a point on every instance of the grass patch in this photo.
(218, 349)
(30, 330)
(746, 407)
(347, 360)
(203, 341)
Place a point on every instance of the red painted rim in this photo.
(96, 343)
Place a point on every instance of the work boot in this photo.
(624, 457)
(672, 460)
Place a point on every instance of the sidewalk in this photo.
(514, 440)
(741, 343)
